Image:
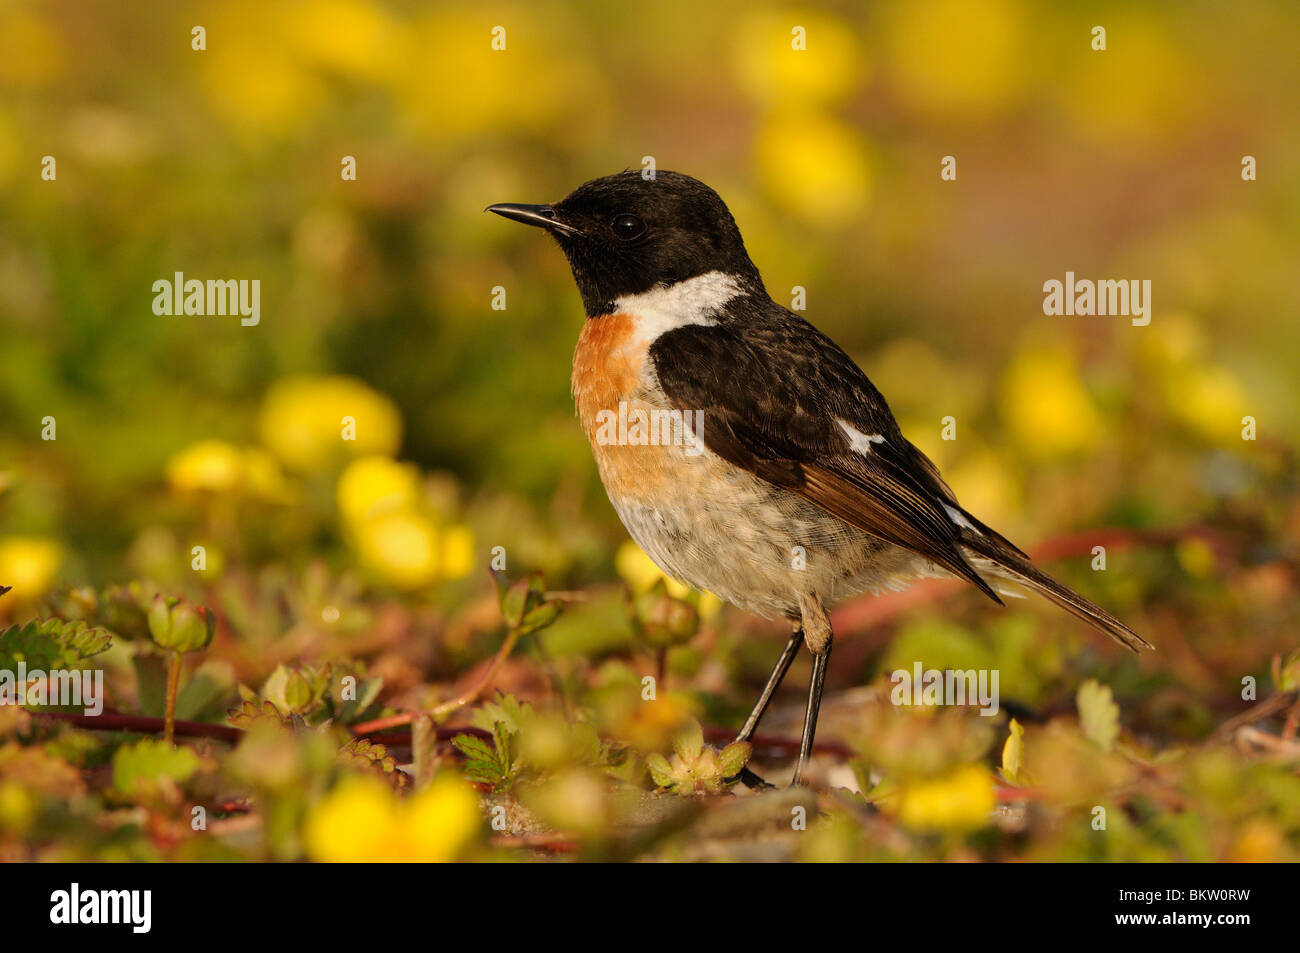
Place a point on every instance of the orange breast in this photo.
(607, 366)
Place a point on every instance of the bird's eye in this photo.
(627, 227)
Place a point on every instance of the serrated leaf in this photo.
(250, 711)
(483, 772)
(474, 748)
(733, 758)
(145, 762)
(505, 709)
(51, 644)
(1098, 714)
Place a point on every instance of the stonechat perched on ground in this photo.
(791, 486)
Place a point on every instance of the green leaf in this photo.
(367, 691)
(689, 742)
(733, 758)
(288, 689)
(207, 693)
(506, 709)
(51, 644)
(539, 618)
(1098, 714)
(660, 770)
(145, 762)
(474, 748)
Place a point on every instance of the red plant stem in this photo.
(144, 725)
(382, 724)
(554, 843)
(200, 729)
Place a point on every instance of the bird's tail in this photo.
(995, 555)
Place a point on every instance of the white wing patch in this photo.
(859, 441)
(957, 517)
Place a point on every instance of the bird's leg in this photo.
(748, 777)
(817, 633)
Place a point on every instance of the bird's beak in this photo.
(542, 216)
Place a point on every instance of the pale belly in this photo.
(719, 528)
(705, 521)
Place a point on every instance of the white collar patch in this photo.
(693, 301)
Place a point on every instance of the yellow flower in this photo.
(652, 725)
(380, 502)
(215, 466)
(400, 548)
(457, 552)
(640, 572)
(1207, 399)
(1258, 842)
(961, 800)
(364, 821)
(28, 563)
(31, 52)
(1143, 88)
(17, 808)
(522, 87)
(207, 465)
(1046, 404)
(813, 165)
(372, 486)
(351, 36)
(264, 479)
(303, 421)
(1196, 557)
(953, 57)
(771, 69)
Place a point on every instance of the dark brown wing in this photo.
(777, 396)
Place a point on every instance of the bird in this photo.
(788, 485)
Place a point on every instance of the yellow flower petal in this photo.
(400, 548)
(1047, 406)
(28, 564)
(372, 486)
(962, 800)
(212, 465)
(303, 421)
(814, 166)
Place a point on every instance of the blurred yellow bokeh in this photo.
(1046, 406)
(961, 800)
(640, 572)
(215, 466)
(364, 821)
(957, 58)
(313, 423)
(772, 67)
(372, 486)
(28, 564)
(815, 166)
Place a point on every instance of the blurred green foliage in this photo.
(195, 457)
